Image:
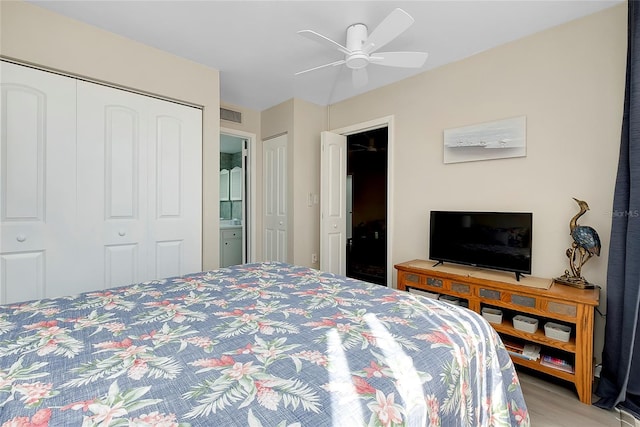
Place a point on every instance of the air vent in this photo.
(230, 115)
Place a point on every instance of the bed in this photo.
(265, 344)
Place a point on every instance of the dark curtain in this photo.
(620, 377)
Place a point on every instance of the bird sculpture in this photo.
(586, 243)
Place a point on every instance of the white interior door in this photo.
(139, 185)
(247, 218)
(333, 221)
(174, 189)
(37, 163)
(112, 171)
(349, 223)
(275, 199)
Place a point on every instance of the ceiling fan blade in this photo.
(331, 64)
(399, 59)
(319, 38)
(360, 77)
(391, 27)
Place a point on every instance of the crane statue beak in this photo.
(581, 203)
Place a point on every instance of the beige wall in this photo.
(302, 122)
(33, 35)
(310, 120)
(569, 83)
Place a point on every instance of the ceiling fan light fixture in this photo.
(360, 47)
(358, 60)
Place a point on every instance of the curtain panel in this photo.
(620, 377)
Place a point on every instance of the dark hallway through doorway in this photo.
(367, 205)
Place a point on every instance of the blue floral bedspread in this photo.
(266, 344)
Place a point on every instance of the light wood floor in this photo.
(555, 404)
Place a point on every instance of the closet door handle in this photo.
(121, 233)
(21, 238)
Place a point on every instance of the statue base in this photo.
(576, 282)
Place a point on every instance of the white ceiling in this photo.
(255, 47)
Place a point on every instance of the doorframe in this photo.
(249, 222)
(388, 122)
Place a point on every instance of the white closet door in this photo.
(275, 198)
(174, 189)
(112, 180)
(99, 187)
(37, 162)
(139, 186)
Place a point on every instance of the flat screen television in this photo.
(495, 240)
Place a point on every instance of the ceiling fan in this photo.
(371, 147)
(362, 49)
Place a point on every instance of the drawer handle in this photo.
(21, 237)
(121, 233)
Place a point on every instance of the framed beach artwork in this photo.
(498, 139)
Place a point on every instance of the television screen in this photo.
(497, 240)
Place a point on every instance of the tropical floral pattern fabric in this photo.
(266, 344)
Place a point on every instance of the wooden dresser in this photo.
(530, 296)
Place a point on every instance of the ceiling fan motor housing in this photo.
(356, 36)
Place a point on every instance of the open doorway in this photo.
(367, 195)
(237, 205)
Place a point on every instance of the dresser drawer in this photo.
(435, 282)
(461, 288)
(523, 301)
(565, 309)
(420, 281)
(411, 279)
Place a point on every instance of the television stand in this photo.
(534, 297)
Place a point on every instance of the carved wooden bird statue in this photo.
(584, 237)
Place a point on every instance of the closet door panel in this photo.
(37, 198)
(25, 269)
(23, 153)
(112, 170)
(169, 260)
(121, 165)
(121, 264)
(169, 165)
(175, 189)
